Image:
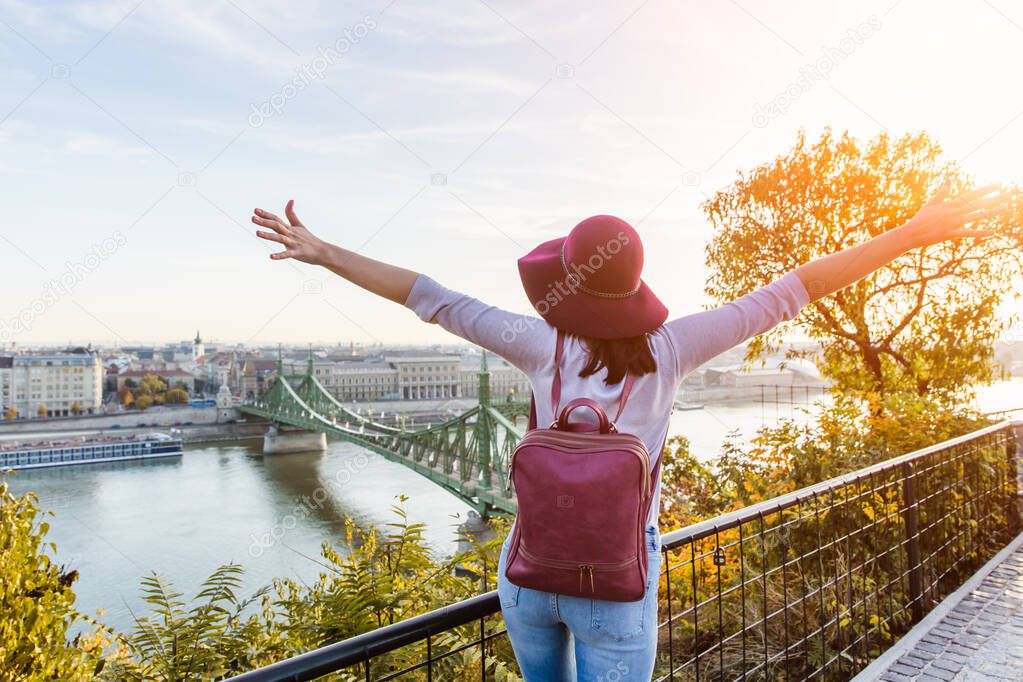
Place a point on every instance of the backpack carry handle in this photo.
(562, 421)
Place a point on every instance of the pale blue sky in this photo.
(132, 122)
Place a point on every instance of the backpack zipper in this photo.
(640, 453)
(584, 569)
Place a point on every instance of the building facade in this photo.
(412, 375)
(198, 347)
(507, 382)
(52, 384)
(362, 381)
(427, 377)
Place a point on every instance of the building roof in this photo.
(414, 354)
(158, 372)
(365, 366)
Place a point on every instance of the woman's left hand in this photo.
(940, 220)
(299, 243)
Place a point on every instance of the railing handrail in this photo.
(728, 520)
(360, 648)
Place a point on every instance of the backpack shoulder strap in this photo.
(626, 389)
(532, 412)
(555, 385)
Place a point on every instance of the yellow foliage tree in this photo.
(177, 396)
(925, 322)
(152, 385)
(37, 603)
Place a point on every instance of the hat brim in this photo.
(574, 310)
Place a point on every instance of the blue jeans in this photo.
(559, 638)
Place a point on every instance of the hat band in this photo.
(577, 282)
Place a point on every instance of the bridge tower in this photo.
(484, 375)
(279, 440)
(485, 426)
(477, 524)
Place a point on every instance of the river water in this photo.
(182, 517)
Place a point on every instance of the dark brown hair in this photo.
(618, 355)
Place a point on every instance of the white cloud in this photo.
(234, 33)
(14, 129)
(461, 80)
(209, 125)
(12, 73)
(334, 142)
(92, 143)
(464, 25)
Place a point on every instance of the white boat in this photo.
(52, 454)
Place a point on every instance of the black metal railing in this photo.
(809, 585)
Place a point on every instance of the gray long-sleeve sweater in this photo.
(679, 346)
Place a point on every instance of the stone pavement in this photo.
(980, 638)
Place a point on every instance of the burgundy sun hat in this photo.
(589, 282)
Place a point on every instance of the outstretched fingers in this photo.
(267, 219)
(289, 211)
(941, 194)
(297, 241)
(983, 214)
(273, 237)
(978, 198)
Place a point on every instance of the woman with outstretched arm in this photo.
(587, 290)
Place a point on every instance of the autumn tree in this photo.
(925, 323)
(152, 385)
(143, 401)
(76, 409)
(10, 414)
(41, 411)
(177, 396)
(37, 603)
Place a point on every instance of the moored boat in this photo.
(82, 451)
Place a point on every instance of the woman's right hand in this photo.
(940, 220)
(299, 243)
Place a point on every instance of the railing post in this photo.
(1014, 451)
(912, 522)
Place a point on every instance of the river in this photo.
(183, 517)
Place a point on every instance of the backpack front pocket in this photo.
(617, 580)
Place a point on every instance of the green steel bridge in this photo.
(467, 454)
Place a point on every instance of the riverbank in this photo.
(193, 434)
(162, 416)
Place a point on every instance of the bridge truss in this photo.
(468, 454)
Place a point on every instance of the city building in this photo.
(426, 376)
(52, 384)
(249, 382)
(506, 381)
(224, 397)
(409, 375)
(198, 348)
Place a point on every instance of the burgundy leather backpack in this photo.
(583, 499)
